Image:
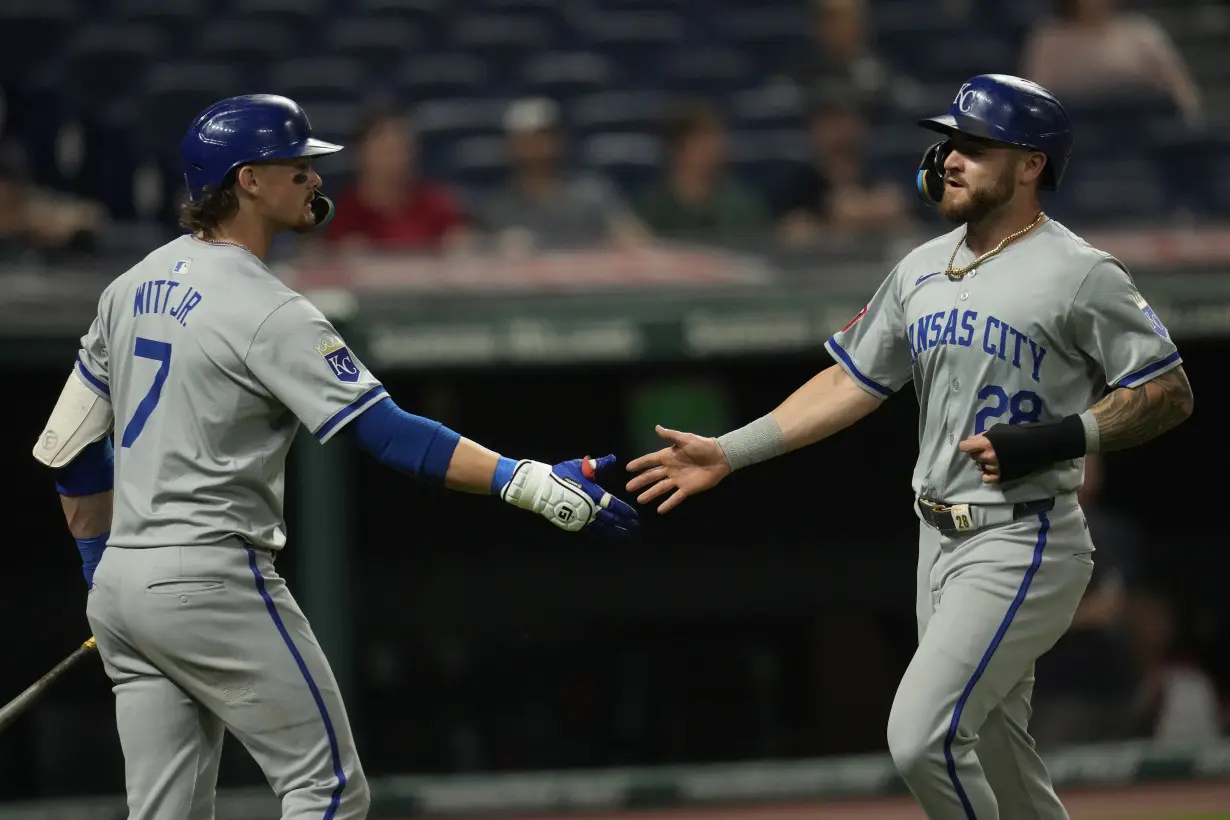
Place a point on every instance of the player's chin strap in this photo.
(323, 209)
(929, 183)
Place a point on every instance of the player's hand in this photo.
(568, 496)
(690, 465)
(982, 453)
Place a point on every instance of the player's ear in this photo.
(246, 179)
(1031, 166)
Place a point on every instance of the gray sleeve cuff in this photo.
(758, 441)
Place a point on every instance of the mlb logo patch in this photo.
(1156, 322)
(338, 357)
(181, 266)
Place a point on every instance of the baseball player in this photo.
(203, 365)
(1011, 329)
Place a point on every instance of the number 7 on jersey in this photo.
(161, 353)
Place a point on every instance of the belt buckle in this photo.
(959, 514)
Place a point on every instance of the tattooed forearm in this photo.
(1129, 416)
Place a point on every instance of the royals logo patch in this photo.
(1156, 322)
(337, 355)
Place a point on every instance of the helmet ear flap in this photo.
(929, 181)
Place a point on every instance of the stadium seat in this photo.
(709, 70)
(250, 47)
(102, 61)
(30, 33)
(439, 76)
(381, 43)
(561, 74)
(618, 111)
(631, 160)
(479, 161)
(319, 78)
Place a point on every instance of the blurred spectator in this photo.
(1088, 47)
(842, 55)
(1086, 683)
(390, 207)
(698, 196)
(838, 191)
(545, 206)
(1177, 704)
(40, 226)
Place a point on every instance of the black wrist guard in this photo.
(1022, 449)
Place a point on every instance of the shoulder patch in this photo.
(338, 357)
(1152, 316)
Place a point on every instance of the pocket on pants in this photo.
(184, 586)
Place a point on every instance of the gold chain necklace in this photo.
(958, 274)
(226, 242)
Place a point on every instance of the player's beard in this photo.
(979, 201)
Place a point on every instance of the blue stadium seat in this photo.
(1100, 191)
(173, 93)
(440, 76)
(617, 111)
(634, 38)
(459, 117)
(771, 36)
(333, 120)
(31, 31)
(502, 37)
(250, 47)
(320, 78)
(953, 59)
(382, 43)
(101, 62)
(563, 74)
(178, 20)
(479, 161)
(631, 160)
(706, 70)
(778, 105)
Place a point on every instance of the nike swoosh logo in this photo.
(926, 276)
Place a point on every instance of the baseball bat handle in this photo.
(18, 705)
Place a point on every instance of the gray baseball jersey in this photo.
(1036, 333)
(211, 364)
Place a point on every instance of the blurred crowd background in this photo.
(555, 122)
(507, 127)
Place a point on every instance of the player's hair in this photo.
(216, 206)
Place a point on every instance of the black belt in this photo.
(940, 517)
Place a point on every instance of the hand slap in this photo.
(613, 518)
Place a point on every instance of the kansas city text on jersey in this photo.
(965, 328)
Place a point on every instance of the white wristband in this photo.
(752, 443)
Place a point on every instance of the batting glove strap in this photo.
(535, 487)
(1022, 449)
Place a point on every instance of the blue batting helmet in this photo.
(240, 130)
(1006, 109)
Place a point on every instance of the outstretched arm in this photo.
(565, 493)
(1128, 416)
(828, 402)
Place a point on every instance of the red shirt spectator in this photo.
(390, 207)
(422, 219)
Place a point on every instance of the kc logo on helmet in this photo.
(964, 100)
(338, 357)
